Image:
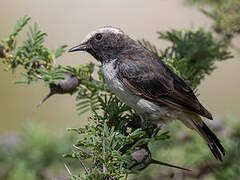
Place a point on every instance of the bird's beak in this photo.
(81, 47)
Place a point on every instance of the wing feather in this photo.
(154, 81)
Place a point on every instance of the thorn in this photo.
(44, 99)
(94, 158)
(84, 151)
(68, 170)
(82, 163)
(169, 165)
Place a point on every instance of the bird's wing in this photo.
(154, 81)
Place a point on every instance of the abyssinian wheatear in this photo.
(146, 84)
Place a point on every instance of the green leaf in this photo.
(60, 50)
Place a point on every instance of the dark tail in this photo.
(213, 142)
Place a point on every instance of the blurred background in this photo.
(68, 21)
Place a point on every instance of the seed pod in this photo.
(143, 157)
(65, 86)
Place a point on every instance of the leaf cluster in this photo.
(112, 134)
(225, 16)
(191, 54)
(30, 155)
(37, 60)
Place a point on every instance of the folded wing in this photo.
(154, 81)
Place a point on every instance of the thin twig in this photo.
(68, 170)
(172, 51)
(78, 148)
(112, 139)
(83, 165)
(103, 151)
(54, 60)
(126, 176)
(94, 157)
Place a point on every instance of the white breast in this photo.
(143, 107)
(115, 85)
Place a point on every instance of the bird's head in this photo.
(104, 43)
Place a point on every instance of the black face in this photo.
(104, 46)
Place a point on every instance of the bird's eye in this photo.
(98, 37)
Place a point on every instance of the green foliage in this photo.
(33, 154)
(230, 167)
(114, 131)
(37, 60)
(89, 90)
(21, 171)
(194, 2)
(182, 145)
(195, 60)
(188, 58)
(17, 28)
(111, 135)
(225, 16)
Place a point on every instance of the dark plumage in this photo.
(146, 84)
(153, 80)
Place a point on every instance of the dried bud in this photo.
(2, 54)
(143, 157)
(64, 86)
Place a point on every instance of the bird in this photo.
(63, 86)
(145, 83)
